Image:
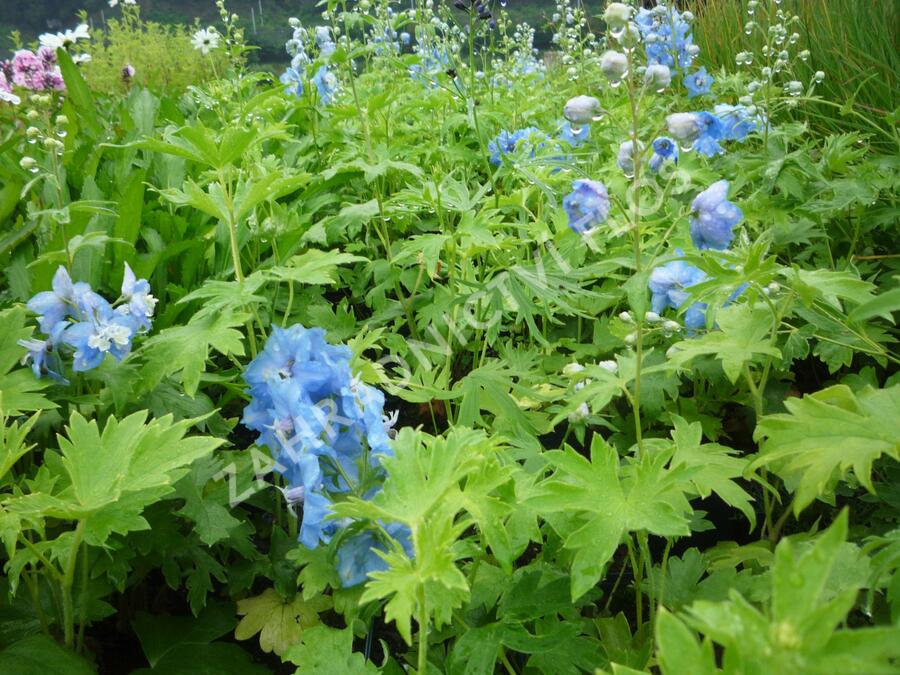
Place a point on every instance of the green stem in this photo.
(82, 608)
(67, 581)
(423, 633)
(637, 570)
(636, 224)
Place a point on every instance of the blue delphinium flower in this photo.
(736, 121)
(668, 284)
(358, 557)
(44, 354)
(53, 306)
(139, 303)
(587, 205)
(73, 315)
(711, 132)
(567, 134)
(713, 226)
(664, 149)
(101, 331)
(432, 62)
(698, 83)
(326, 84)
(663, 45)
(293, 81)
(506, 143)
(405, 38)
(321, 423)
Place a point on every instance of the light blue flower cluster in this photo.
(703, 131)
(73, 315)
(712, 228)
(587, 205)
(432, 62)
(304, 50)
(667, 37)
(668, 41)
(529, 139)
(668, 284)
(716, 218)
(698, 83)
(326, 431)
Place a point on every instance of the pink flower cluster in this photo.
(37, 72)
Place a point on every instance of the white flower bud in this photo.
(652, 317)
(617, 15)
(581, 109)
(609, 366)
(614, 65)
(626, 317)
(658, 76)
(572, 368)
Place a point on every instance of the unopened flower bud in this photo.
(614, 65)
(626, 317)
(652, 317)
(609, 366)
(27, 163)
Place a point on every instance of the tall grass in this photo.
(856, 43)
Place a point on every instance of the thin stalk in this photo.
(636, 224)
(637, 570)
(67, 581)
(423, 633)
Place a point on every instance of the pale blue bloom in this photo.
(44, 354)
(668, 284)
(358, 555)
(320, 422)
(506, 143)
(293, 81)
(664, 149)
(326, 84)
(713, 226)
(736, 121)
(587, 205)
(139, 303)
(698, 83)
(100, 332)
(574, 139)
(711, 132)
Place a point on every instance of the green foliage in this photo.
(799, 632)
(161, 54)
(826, 434)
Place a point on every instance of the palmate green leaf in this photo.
(831, 286)
(115, 473)
(743, 339)
(314, 267)
(185, 349)
(825, 434)
(610, 501)
(324, 651)
(799, 633)
(429, 483)
(431, 577)
(279, 622)
(714, 467)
